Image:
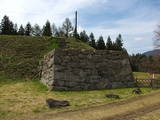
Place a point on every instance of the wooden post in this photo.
(136, 82)
(153, 76)
(152, 83)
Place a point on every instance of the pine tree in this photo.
(67, 27)
(114, 46)
(12, 31)
(119, 43)
(47, 31)
(37, 30)
(21, 30)
(7, 26)
(100, 43)
(77, 36)
(84, 37)
(28, 29)
(109, 44)
(92, 40)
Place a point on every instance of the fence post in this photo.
(136, 82)
(152, 83)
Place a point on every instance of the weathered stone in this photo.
(137, 91)
(112, 96)
(56, 104)
(86, 70)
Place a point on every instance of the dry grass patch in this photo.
(112, 111)
(20, 98)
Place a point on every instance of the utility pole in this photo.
(76, 19)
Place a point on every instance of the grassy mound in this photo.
(20, 55)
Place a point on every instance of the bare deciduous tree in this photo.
(157, 37)
(67, 27)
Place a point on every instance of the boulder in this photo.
(56, 104)
(112, 96)
(137, 91)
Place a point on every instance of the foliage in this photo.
(21, 30)
(67, 27)
(119, 43)
(92, 41)
(100, 43)
(28, 29)
(84, 37)
(109, 44)
(47, 31)
(66, 30)
(142, 63)
(36, 30)
(7, 26)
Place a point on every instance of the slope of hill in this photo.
(153, 53)
(20, 55)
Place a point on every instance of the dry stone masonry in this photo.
(71, 70)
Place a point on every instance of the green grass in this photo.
(143, 75)
(77, 44)
(19, 98)
(20, 55)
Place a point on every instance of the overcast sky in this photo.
(134, 19)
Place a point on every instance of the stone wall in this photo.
(86, 70)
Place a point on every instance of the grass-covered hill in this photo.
(20, 55)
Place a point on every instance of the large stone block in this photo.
(65, 70)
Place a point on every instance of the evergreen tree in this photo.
(7, 26)
(109, 44)
(77, 36)
(92, 40)
(12, 31)
(67, 27)
(84, 37)
(28, 29)
(47, 31)
(37, 30)
(119, 43)
(100, 43)
(21, 30)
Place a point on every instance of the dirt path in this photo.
(134, 114)
(122, 110)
